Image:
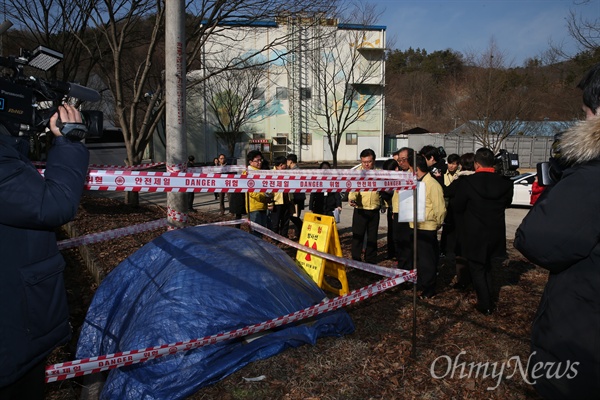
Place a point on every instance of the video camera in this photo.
(507, 164)
(550, 172)
(28, 103)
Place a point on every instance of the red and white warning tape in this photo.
(234, 169)
(376, 269)
(112, 234)
(93, 365)
(126, 167)
(97, 364)
(177, 216)
(111, 166)
(176, 167)
(146, 181)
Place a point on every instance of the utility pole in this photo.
(175, 82)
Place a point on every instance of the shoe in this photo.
(459, 286)
(425, 296)
(486, 311)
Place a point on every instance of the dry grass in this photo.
(375, 362)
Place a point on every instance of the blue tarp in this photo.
(191, 283)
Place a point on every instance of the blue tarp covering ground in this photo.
(191, 283)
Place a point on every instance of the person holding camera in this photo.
(435, 157)
(561, 233)
(34, 317)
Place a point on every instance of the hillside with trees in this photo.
(441, 90)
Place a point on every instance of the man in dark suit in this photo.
(481, 205)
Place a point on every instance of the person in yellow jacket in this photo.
(282, 205)
(402, 233)
(365, 218)
(256, 202)
(428, 251)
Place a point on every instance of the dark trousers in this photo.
(222, 203)
(280, 219)
(190, 201)
(30, 386)
(295, 218)
(448, 240)
(481, 276)
(428, 255)
(391, 244)
(463, 275)
(365, 221)
(403, 239)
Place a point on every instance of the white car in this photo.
(522, 189)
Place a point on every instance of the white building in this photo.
(301, 78)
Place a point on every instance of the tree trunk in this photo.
(132, 198)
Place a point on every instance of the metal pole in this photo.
(413, 352)
(175, 82)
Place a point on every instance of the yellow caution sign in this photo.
(319, 232)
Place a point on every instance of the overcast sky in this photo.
(520, 28)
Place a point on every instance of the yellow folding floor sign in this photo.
(319, 232)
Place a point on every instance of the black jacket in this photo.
(561, 233)
(479, 204)
(34, 314)
(324, 205)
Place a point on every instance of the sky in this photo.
(521, 29)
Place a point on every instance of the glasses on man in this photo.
(257, 160)
(403, 159)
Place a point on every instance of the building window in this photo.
(258, 93)
(351, 138)
(281, 93)
(306, 139)
(305, 93)
(258, 136)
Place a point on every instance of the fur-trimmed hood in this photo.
(581, 143)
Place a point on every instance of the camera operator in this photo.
(436, 162)
(561, 233)
(34, 317)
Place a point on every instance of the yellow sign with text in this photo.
(315, 236)
(319, 232)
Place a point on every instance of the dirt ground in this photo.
(377, 361)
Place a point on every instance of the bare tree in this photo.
(348, 79)
(52, 23)
(494, 100)
(234, 99)
(586, 31)
(129, 36)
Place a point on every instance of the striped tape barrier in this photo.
(146, 181)
(112, 234)
(72, 369)
(92, 365)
